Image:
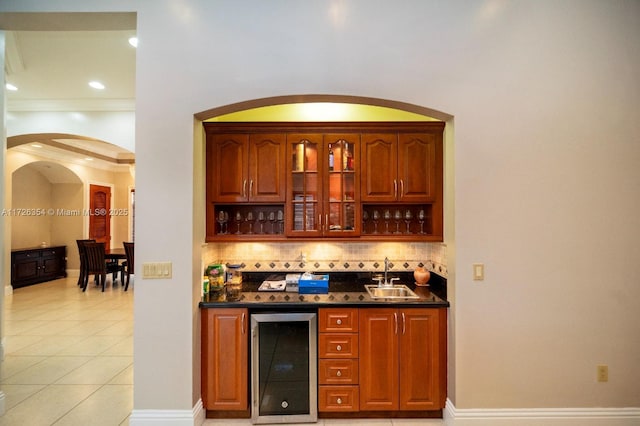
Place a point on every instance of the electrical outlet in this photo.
(603, 373)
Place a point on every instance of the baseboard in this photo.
(193, 417)
(541, 416)
(8, 290)
(2, 401)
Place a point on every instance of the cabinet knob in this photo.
(339, 322)
(339, 373)
(339, 400)
(338, 348)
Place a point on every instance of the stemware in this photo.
(226, 222)
(261, 219)
(376, 218)
(387, 217)
(398, 217)
(272, 219)
(365, 218)
(281, 221)
(421, 219)
(407, 219)
(249, 219)
(220, 221)
(238, 221)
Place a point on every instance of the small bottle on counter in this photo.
(205, 285)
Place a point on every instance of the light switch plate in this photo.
(156, 270)
(478, 271)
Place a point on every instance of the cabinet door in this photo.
(379, 168)
(225, 359)
(419, 359)
(266, 168)
(228, 160)
(378, 359)
(417, 167)
(342, 185)
(26, 268)
(304, 171)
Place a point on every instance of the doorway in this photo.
(100, 214)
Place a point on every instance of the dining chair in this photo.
(96, 264)
(127, 265)
(83, 259)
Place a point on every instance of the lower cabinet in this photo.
(338, 372)
(225, 362)
(369, 359)
(402, 359)
(36, 265)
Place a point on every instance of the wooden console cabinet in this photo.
(36, 265)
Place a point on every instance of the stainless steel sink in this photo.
(396, 291)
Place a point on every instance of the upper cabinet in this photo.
(323, 192)
(246, 167)
(373, 181)
(401, 166)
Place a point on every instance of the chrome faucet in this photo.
(387, 282)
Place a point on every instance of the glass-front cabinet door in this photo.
(342, 195)
(304, 170)
(323, 185)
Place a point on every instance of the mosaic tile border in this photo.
(336, 265)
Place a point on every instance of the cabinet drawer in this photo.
(338, 372)
(20, 257)
(342, 320)
(338, 345)
(338, 398)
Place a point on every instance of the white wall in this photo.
(545, 97)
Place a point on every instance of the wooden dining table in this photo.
(116, 253)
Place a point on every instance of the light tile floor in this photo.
(68, 355)
(69, 359)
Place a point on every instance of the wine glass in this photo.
(376, 218)
(249, 219)
(238, 221)
(407, 219)
(387, 217)
(261, 219)
(365, 218)
(226, 222)
(272, 219)
(398, 217)
(281, 221)
(421, 219)
(220, 221)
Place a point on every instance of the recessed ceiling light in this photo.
(133, 41)
(96, 85)
(88, 159)
(11, 87)
(36, 145)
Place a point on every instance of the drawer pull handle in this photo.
(339, 322)
(338, 348)
(339, 373)
(339, 400)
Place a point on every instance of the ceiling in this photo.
(52, 69)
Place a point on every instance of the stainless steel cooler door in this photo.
(284, 368)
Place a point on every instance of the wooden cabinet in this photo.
(246, 167)
(402, 359)
(278, 181)
(338, 373)
(225, 364)
(36, 265)
(323, 186)
(401, 167)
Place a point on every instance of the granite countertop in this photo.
(345, 289)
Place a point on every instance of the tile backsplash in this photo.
(329, 256)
